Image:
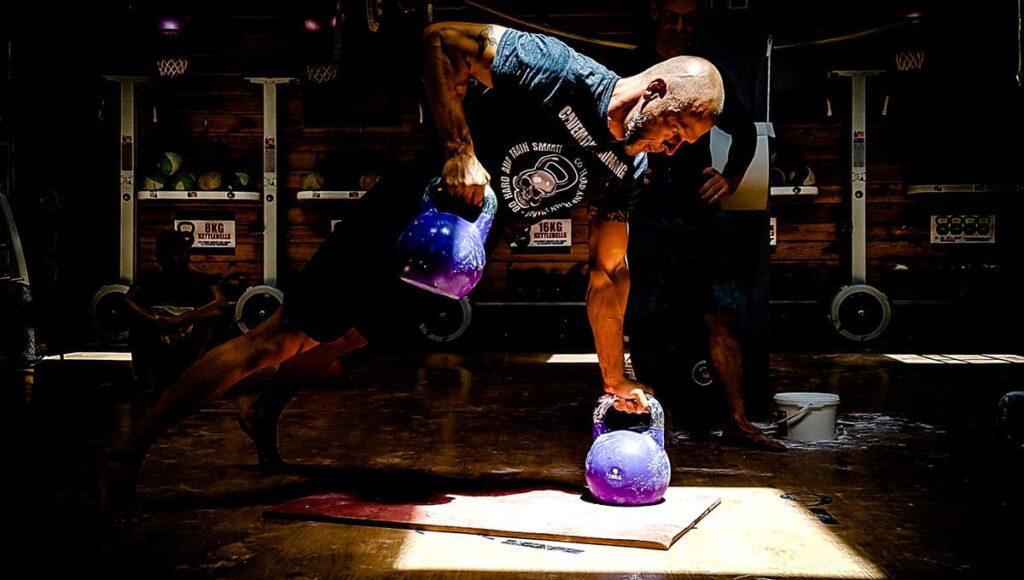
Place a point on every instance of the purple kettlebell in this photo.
(444, 253)
(626, 467)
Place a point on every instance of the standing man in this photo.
(586, 118)
(681, 247)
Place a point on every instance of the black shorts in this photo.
(352, 280)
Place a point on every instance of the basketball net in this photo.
(910, 60)
(321, 73)
(171, 67)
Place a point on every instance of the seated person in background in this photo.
(174, 312)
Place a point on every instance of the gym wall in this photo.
(215, 115)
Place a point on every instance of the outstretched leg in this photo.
(211, 376)
(727, 362)
(259, 418)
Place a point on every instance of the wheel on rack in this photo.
(860, 312)
(107, 312)
(256, 305)
(445, 320)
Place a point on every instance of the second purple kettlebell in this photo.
(442, 252)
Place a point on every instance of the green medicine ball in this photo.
(170, 162)
(154, 181)
(182, 182)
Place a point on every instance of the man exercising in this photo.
(584, 117)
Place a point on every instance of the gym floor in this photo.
(919, 482)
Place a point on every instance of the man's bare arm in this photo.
(453, 52)
(607, 293)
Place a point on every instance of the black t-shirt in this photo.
(542, 133)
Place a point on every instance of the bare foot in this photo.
(262, 430)
(117, 477)
(750, 436)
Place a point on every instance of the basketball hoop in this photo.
(321, 73)
(172, 67)
(910, 60)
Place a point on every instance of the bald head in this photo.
(692, 84)
(677, 101)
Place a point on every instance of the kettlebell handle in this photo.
(483, 221)
(657, 429)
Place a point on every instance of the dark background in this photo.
(958, 120)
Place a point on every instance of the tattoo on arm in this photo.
(484, 40)
(609, 215)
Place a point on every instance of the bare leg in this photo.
(143, 360)
(210, 377)
(727, 362)
(259, 418)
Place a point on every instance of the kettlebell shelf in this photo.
(801, 190)
(198, 196)
(965, 188)
(344, 195)
(258, 301)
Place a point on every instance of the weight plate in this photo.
(107, 312)
(860, 312)
(256, 305)
(446, 320)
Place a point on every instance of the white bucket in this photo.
(807, 416)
